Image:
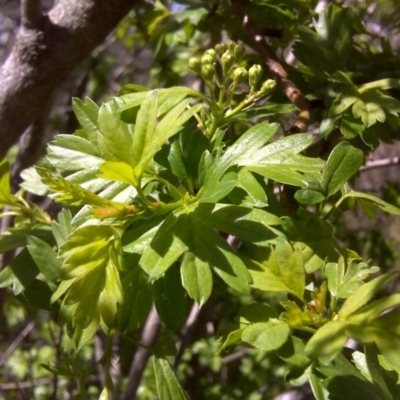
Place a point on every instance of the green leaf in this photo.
(5, 195)
(373, 201)
(256, 312)
(210, 247)
(343, 162)
(309, 197)
(196, 278)
(169, 299)
(96, 289)
(317, 244)
(328, 341)
(368, 111)
(280, 270)
(247, 144)
(145, 125)
(166, 247)
(45, 258)
(72, 153)
(87, 114)
(168, 387)
(11, 241)
(381, 84)
(24, 272)
(343, 283)
(68, 193)
(255, 192)
(118, 171)
(363, 294)
(266, 336)
(248, 224)
(224, 187)
(133, 312)
(115, 139)
(61, 227)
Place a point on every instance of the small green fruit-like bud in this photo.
(220, 49)
(238, 52)
(227, 60)
(255, 73)
(230, 44)
(239, 75)
(208, 72)
(207, 59)
(268, 86)
(212, 53)
(195, 65)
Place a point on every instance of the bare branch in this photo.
(31, 14)
(187, 331)
(275, 68)
(16, 342)
(383, 163)
(150, 333)
(42, 59)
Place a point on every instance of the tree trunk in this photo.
(46, 50)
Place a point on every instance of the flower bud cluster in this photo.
(229, 55)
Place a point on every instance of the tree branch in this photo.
(260, 45)
(31, 14)
(150, 333)
(42, 58)
(383, 163)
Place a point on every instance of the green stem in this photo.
(334, 207)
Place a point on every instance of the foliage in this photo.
(175, 197)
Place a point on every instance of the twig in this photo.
(275, 68)
(187, 332)
(31, 13)
(382, 163)
(150, 333)
(25, 385)
(16, 342)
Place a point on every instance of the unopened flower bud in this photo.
(195, 65)
(212, 53)
(230, 44)
(255, 73)
(238, 52)
(227, 60)
(207, 59)
(208, 72)
(220, 49)
(239, 75)
(268, 86)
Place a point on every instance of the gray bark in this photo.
(46, 50)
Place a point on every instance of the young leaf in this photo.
(168, 387)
